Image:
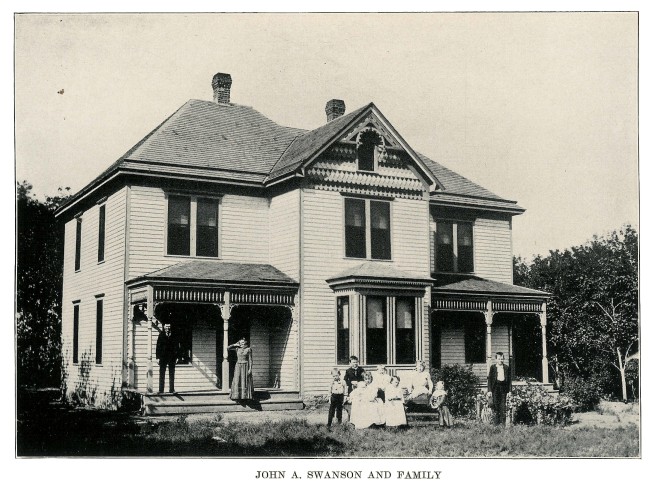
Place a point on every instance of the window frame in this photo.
(100, 313)
(368, 227)
(76, 332)
(193, 228)
(102, 232)
(345, 359)
(455, 224)
(78, 244)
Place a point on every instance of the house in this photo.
(313, 244)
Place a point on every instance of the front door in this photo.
(526, 341)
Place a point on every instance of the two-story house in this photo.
(313, 244)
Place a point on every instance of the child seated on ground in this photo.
(337, 394)
(437, 403)
(486, 415)
(394, 406)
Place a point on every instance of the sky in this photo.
(540, 108)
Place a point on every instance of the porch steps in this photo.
(550, 387)
(219, 401)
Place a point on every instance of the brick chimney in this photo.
(221, 84)
(334, 109)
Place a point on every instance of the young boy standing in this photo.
(337, 394)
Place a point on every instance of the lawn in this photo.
(46, 428)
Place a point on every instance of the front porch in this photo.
(209, 306)
(474, 318)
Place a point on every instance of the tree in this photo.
(39, 265)
(593, 312)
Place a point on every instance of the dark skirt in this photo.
(242, 387)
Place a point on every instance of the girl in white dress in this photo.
(367, 408)
(394, 406)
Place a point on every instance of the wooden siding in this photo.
(261, 355)
(492, 247)
(284, 227)
(243, 230)
(99, 383)
(323, 257)
(452, 343)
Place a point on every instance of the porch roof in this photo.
(219, 272)
(472, 285)
(381, 272)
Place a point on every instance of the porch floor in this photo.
(209, 401)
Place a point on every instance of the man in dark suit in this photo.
(167, 353)
(500, 384)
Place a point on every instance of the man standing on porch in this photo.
(500, 384)
(167, 351)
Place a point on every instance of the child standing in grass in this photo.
(437, 403)
(394, 406)
(337, 394)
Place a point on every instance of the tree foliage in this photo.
(39, 265)
(593, 312)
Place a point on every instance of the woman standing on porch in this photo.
(242, 387)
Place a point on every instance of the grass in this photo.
(47, 429)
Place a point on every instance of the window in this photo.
(454, 247)
(376, 330)
(207, 228)
(99, 331)
(183, 335)
(343, 330)
(405, 331)
(101, 233)
(358, 232)
(475, 334)
(380, 231)
(192, 226)
(356, 228)
(78, 243)
(179, 225)
(367, 150)
(76, 332)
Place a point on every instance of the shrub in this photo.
(585, 392)
(532, 404)
(462, 386)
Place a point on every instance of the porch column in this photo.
(544, 353)
(295, 331)
(150, 313)
(488, 319)
(226, 310)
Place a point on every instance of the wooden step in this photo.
(166, 408)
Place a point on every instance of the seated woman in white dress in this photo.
(394, 406)
(367, 408)
(381, 380)
(420, 382)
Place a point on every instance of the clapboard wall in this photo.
(99, 384)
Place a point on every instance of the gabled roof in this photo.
(308, 144)
(219, 272)
(236, 144)
(469, 284)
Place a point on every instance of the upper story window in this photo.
(101, 233)
(368, 144)
(454, 246)
(192, 226)
(365, 240)
(78, 243)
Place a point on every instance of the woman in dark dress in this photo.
(242, 387)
